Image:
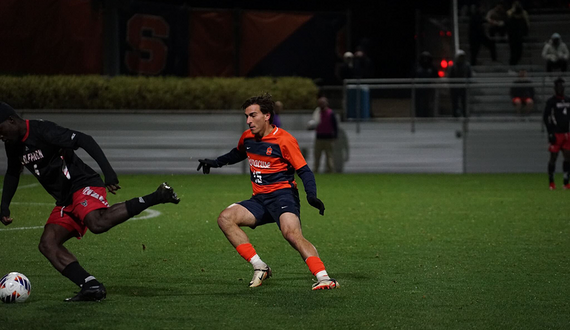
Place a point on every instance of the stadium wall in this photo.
(172, 143)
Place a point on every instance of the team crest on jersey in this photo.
(84, 203)
(269, 151)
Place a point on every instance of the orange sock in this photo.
(247, 251)
(315, 265)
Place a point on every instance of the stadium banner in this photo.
(212, 44)
(300, 44)
(153, 40)
(50, 37)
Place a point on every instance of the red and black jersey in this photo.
(47, 151)
(556, 114)
(273, 160)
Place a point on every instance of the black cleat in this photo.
(91, 293)
(166, 194)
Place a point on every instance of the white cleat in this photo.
(258, 276)
(331, 283)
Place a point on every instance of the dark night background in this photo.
(389, 26)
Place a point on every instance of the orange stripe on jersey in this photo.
(273, 160)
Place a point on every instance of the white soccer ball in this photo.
(14, 287)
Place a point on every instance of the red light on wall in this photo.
(443, 64)
(450, 63)
(448, 33)
(440, 73)
(441, 33)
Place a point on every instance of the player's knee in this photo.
(225, 219)
(292, 236)
(94, 221)
(46, 247)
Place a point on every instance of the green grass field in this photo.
(409, 251)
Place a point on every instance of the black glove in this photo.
(552, 138)
(316, 203)
(205, 165)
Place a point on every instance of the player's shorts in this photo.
(84, 201)
(267, 208)
(523, 100)
(562, 142)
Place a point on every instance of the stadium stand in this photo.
(493, 99)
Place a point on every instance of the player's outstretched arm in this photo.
(232, 157)
(206, 164)
(310, 185)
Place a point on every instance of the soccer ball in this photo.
(14, 287)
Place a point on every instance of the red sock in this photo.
(315, 265)
(246, 250)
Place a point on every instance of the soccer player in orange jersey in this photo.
(274, 157)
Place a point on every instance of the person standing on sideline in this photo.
(556, 119)
(325, 124)
(459, 69)
(277, 116)
(47, 151)
(274, 157)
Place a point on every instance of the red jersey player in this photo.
(556, 118)
(274, 157)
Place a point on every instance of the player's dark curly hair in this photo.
(266, 104)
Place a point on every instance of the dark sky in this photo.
(389, 25)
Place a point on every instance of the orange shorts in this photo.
(84, 201)
(562, 142)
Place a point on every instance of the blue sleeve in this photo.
(308, 179)
(232, 157)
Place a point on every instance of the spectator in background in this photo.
(555, 53)
(342, 152)
(363, 66)
(325, 124)
(424, 96)
(460, 69)
(497, 18)
(277, 108)
(478, 35)
(346, 70)
(517, 28)
(522, 94)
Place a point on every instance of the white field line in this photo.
(147, 214)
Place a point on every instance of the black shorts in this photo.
(267, 208)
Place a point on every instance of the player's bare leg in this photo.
(552, 169)
(51, 246)
(529, 106)
(101, 220)
(566, 168)
(230, 221)
(291, 230)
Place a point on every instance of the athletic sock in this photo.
(247, 252)
(551, 169)
(317, 267)
(136, 205)
(566, 169)
(78, 275)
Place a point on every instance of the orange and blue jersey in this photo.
(273, 160)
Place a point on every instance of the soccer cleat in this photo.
(552, 186)
(259, 275)
(331, 283)
(91, 293)
(166, 194)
